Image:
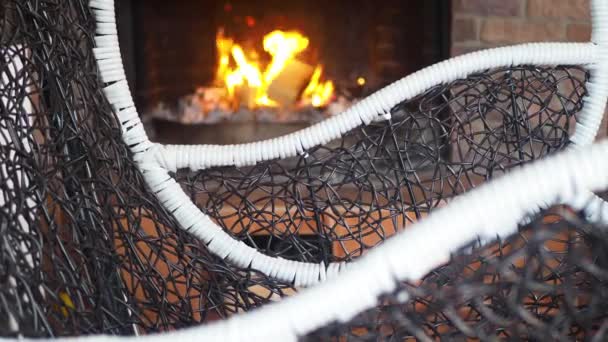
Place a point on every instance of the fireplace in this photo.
(173, 52)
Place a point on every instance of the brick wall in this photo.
(479, 24)
(487, 23)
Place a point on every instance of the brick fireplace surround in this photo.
(480, 24)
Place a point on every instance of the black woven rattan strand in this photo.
(85, 248)
(345, 197)
(546, 283)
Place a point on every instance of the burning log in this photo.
(247, 96)
(287, 87)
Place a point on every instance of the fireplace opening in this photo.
(225, 72)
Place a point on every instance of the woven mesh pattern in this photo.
(85, 248)
(345, 197)
(548, 282)
(73, 257)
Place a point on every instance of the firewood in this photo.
(286, 88)
(211, 94)
(246, 96)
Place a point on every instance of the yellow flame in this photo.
(235, 70)
(317, 93)
(282, 46)
(224, 46)
(233, 80)
(250, 71)
(265, 101)
(314, 82)
(323, 94)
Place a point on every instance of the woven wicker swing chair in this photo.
(360, 227)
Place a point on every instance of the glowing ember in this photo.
(241, 75)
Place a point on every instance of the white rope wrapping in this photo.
(597, 87)
(590, 120)
(410, 254)
(155, 161)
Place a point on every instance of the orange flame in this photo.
(235, 70)
(317, 93)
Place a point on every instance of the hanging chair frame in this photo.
(568, 177)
